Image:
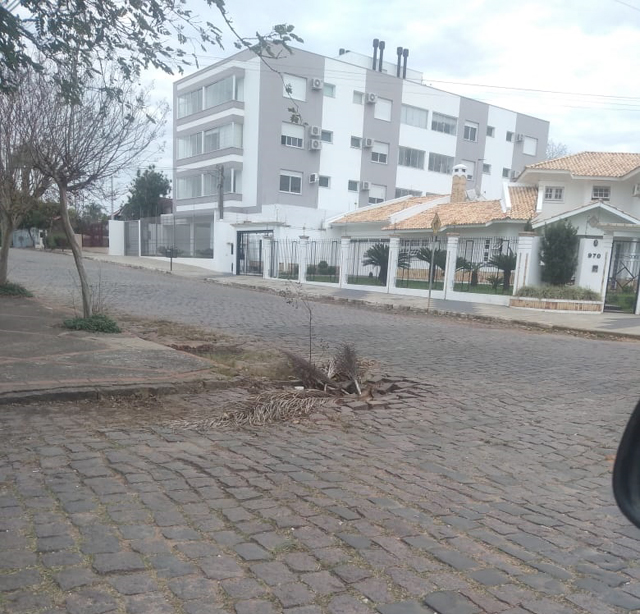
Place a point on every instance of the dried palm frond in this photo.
(346, 364)
(271, 406)
(310, 375)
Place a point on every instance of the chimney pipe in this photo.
(381, 46)
(375, 53)
(341, 52)
(399, 52)
(405, 55)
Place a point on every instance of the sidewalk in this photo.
(42, 361)
(606, 324)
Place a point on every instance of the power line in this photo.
(635, 8)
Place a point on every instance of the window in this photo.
(400, 192)
(444, 123)
(358, 97)
(470, 131)
(324, 181)
(380, 152)
(292, 135)
(353, 185)
(189, 187)
(328, 89)
(294, 87)
(291, 182)
(232, 182)
(377, 194)
(382, 109)
(506, 172)
(601, 192)
(411, 157)
(486, 169)
(219, 92)
(356, 142)
(414, 116)
(229, 135)
(553, 193)
(440, 164)
(471, 168)
(189, 145)
(510, 136)
(530, 146)
(491, 131)
(326, 136)
(190, 103)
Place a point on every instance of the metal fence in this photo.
(485, 265)
(414, 263)
(284, 259)
(323, 261)
(368, 262)
(188, 236)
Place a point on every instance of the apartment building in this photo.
(298, 139)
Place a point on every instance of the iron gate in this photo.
(249, 252)
(624, 272)
(132, 238)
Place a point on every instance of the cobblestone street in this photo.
(483, 487)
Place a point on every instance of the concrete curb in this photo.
(613, 336)
(81, 393)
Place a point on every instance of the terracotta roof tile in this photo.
(383, 212)
(453, 214)
(523, 202)
(592, 164)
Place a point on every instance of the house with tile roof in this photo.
(597, 192)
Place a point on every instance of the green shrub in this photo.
(323, 265)
(98, 323)
(559, 253)
(568, 293)
(311, 269)
(11, 289)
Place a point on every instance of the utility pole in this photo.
(220, 168)
(112, 196)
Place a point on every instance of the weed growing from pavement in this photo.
(12, 289)
(97, 323)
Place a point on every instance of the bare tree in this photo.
(556, 149)
(82, 144)
(21, 186)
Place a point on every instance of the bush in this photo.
(311, 269)
(559, 253)
(11, 289)
(568, 293)
(98, 323)
(323, 265)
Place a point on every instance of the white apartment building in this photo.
(305, 137)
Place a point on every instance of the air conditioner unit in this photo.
(315, 144)
(313, 178)
(315, 130)
(519, 138)
(513, 174)
(367, 142)
(365, 185)
(316, 84)
(371, 98)
(636, 189)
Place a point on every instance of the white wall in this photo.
(116, 238)
(339, 160)
(592, 256)
(498, 151)
(250, 146)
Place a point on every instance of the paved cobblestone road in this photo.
(485, 487)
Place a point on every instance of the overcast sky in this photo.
(572, 62)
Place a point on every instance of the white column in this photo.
(524, 260)
(345, 244)
(450, 266)
(303, 246)
(392, 267)
(116, 238)
(266, 256)
(606, 245)
(139, 239)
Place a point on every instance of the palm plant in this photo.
(505, 263)
(378, 255)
